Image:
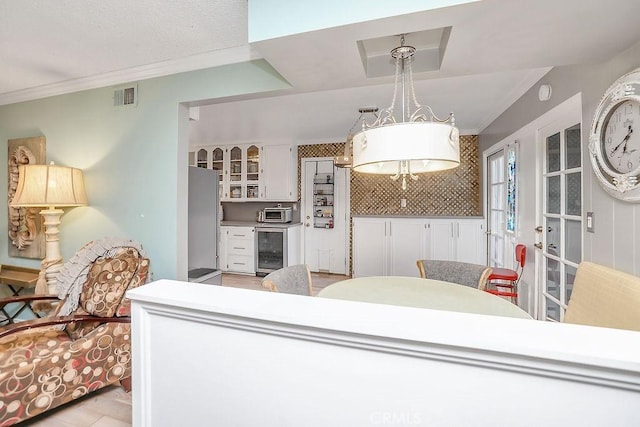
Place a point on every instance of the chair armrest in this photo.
(27, 298)
(63, 320)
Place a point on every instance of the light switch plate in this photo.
(590, 222)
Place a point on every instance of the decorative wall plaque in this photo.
(26, 235)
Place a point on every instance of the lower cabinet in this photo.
(388, 247)
(237, 249)
(457, 240)
(391, 246)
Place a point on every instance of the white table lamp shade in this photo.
(49, 185)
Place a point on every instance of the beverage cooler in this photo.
(271, 249)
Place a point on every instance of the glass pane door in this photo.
(562, 219)
(217, 161)
(496, 209)
(202, 158)
(235, 173)
(253, 172)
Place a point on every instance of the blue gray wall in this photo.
(134, 159)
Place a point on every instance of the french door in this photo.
(496, 209)
(559, 233)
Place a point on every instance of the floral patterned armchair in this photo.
(84, 345)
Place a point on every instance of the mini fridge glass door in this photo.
(271, 249)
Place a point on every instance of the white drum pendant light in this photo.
(419, 142)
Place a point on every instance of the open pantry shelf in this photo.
(323, 200)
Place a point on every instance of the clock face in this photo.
(621, 137)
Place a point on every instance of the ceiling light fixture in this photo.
(419, 142)
(346, 161)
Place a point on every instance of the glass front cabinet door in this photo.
(242, 173)
(240, 168)
(253, 172)
(202, 158)
(236, 168)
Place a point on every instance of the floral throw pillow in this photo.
(140, 278)
(107, 281)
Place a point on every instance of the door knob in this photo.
(538, 229)
(538, 245)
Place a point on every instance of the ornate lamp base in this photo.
(52, 262)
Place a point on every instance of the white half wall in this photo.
(209, 355)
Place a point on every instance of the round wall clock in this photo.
(614, 140)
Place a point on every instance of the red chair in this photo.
(506, 280)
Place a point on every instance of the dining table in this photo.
(422, 293)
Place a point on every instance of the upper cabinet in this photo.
(279, 173)
(242, 173)
(251, 172)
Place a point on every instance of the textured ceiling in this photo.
(44, 42)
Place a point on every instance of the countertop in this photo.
(259, 224)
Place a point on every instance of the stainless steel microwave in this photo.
(276, 215)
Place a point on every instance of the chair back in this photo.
(295, 279)
(521, 254)
(604, 297)
(462, 273)
(104, 270)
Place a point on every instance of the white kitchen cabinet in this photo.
(457, 240)
(391, 246)
(251, 172)
(237, 249)
(239, 166)
(370, 247)
(242, 173)
(407, 243)
(388, 246)
(279, 173)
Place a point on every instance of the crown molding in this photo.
(173, 66)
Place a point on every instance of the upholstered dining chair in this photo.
(84, 344)
(295, 279)
(462, 273)
(604, 297)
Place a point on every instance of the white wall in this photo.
(134, 159)
(617, 224)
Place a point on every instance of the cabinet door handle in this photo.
(236, 247)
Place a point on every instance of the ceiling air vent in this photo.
(126, 96)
